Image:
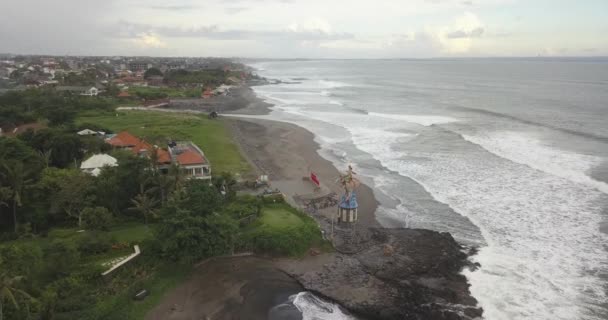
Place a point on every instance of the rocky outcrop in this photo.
(402, 274)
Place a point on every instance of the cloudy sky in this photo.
(306, 28)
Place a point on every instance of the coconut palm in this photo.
(9, 292)
(145, 205)
(176, 176)
(18, 179)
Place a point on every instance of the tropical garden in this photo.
(61, 228)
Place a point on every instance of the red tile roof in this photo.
(124, 140)
(123, 94)
(142, 146)
(163, 156)
(189, 157)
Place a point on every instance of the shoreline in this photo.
(388, 276)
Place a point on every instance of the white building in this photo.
(94, 164)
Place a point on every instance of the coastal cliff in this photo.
(402, 274)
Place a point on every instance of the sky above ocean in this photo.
(306, 29)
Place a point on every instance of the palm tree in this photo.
(9, 291)
(18, 179)
(46, 157)
(176, 176)
(162, 184)
(144, 205)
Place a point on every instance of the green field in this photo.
(280, 217)
(282, 230)
(212, 136)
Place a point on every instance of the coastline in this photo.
(420, 276)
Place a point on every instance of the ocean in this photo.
(508, 155)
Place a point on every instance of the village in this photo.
(151, 80)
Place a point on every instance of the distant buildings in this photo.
(80, 90)
(139, 66)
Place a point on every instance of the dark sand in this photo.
(229, 288)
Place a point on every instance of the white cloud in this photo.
(459, 36)
(312, 25)
(149, 40)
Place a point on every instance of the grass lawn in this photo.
(130, 233)
(282, 230)
(280, 217)
(157, 127)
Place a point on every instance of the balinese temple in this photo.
(347, 209)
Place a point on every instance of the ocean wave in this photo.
(535, 123)
(333, 84)
(315, 308)
(425, 120)
(530, 151)
(544, 246)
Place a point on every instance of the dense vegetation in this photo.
(153, 93)
(60, 228)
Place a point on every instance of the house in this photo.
(123, 140)
(95, 163)
(222, 90)
(191, 160)
(124, 94)
(139, 66)
(83, 91)
(188, 156)
(89, 132)
(208, 93)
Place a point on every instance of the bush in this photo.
(61, 257)
(243, 207)
(274, 198)
(95, 242)
(24, 260)
(188, 238)
(293, 241)
(98, 218)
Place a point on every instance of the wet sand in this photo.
(230, 288)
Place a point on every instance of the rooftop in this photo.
(187, 153)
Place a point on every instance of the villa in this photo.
(187, 155)
(191, 160)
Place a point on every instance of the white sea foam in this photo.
(325, 93)
(544, 246)
(425, 120)
(314, 308)
(528, 150)
(332, 84)
(336, 102)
